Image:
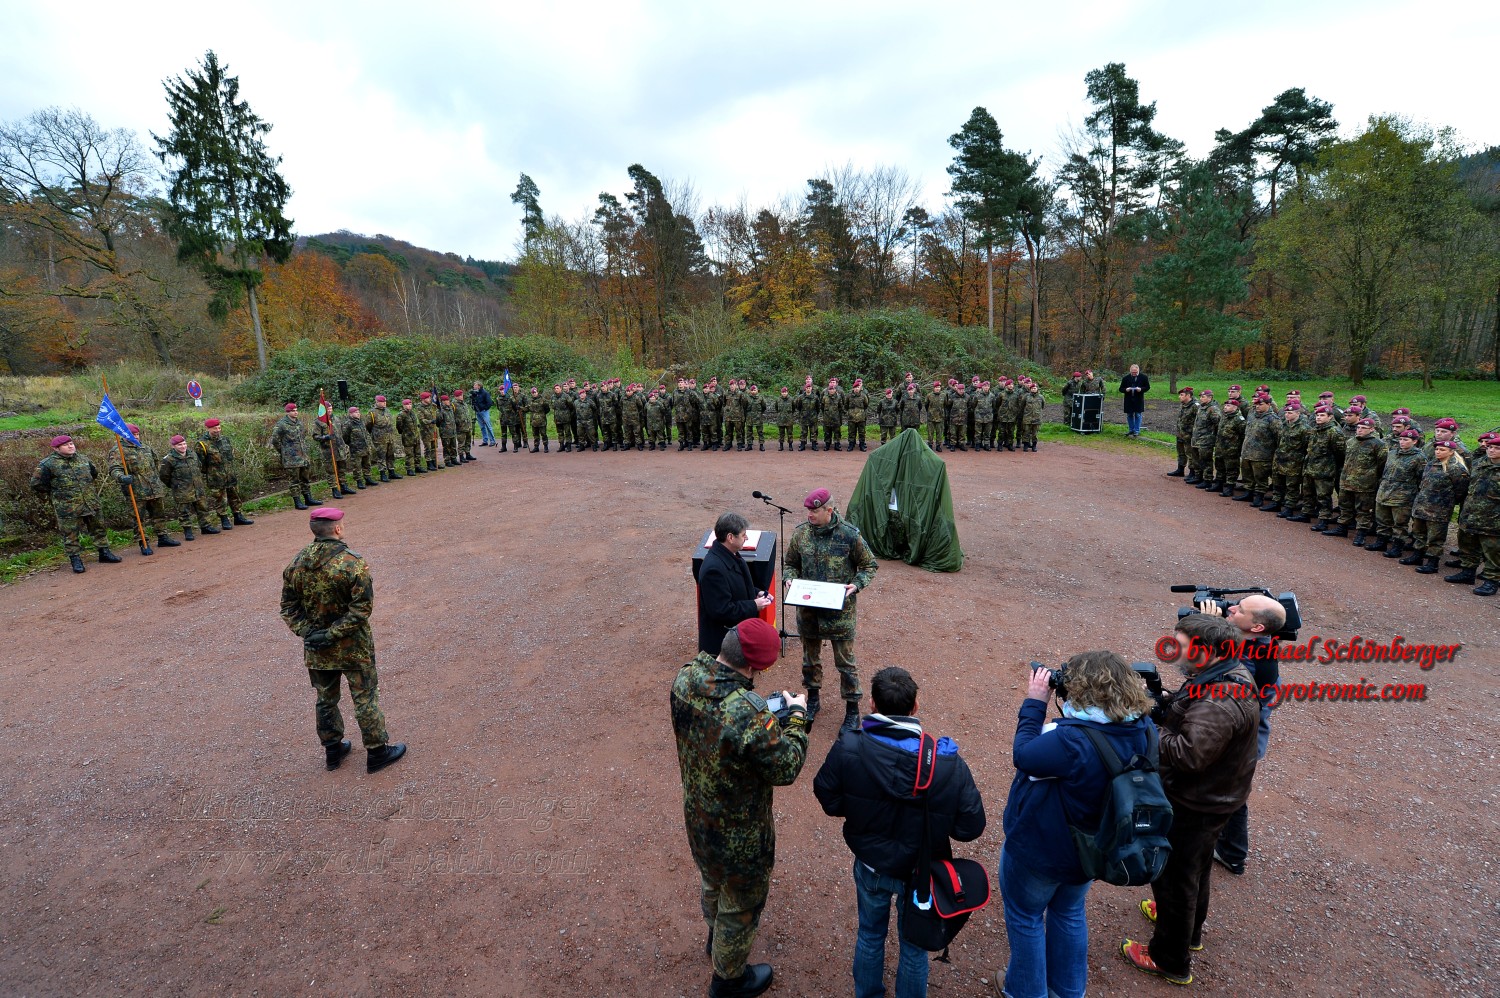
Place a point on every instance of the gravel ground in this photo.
(167, 825)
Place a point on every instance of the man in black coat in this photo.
(479, 398)
(726, 592)
(1134, 387)
(868, 780)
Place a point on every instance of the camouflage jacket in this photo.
(684, 406)
(1230, 437)
(427, 416)
(382, 425)
(832, 408)
(806, 407)
(1402, 477)
(1007, 409)
(937, 408)
(506, 406)
(445, 422)
(984, 407)
(1185, 416)
(887, 410)
(536, 408)
(1441, 489)
(140, 463)
(1073, 387)
(731, 751)
(832, 553)
(1364, 461)
(585, 412)
(1091, 386)
(911, 411)
(69, 483)
(658, 412)
(327, 587)
(181, 474)
(331, 438)
(407, 424)
(215, 458)
(1291, 448)
(1262, 433)
(356, 436)
(289, 439)
(958, 409)
(856, 406)
(1325, 450)
(633, 409)
(734, 406)
(1206, 425)
(562, 408)
(1031, 407)
(1481, 512)
(463, 416)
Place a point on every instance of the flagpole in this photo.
(332, 447)
(140, 527)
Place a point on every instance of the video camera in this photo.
(1058, 680)
(1212, 595)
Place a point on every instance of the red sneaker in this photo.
(1141, 959)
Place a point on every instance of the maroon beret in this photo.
(1325, 395)
(329, 513)
(759, 643)
(1357, 398)
(1445, 423)
(1188, 389)
(380, 398)
(1450, 444)
(291, 407)
(179, 439)
(1262, 388)
(210, 423)
(354, 408)
(1293, 405)
(1207, 391)
(1233, 402)
(426, 396)
(442, 398)
(406, 401)
(1401, 412)
(1077, 374)
(817, 499)
(1367, 421)
(61, 439)
(1235, 388)
(1409, 435)
(133, 428)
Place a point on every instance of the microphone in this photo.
(759, 494)
(1184, 589)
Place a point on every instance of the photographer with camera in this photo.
(869, 780)
(1060, 781)
(733, 751)
(1208, 748)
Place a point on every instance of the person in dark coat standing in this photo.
(1134, 387)
(726, 592)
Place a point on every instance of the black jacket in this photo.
(1135, 401)
(867, 780)
(726, 596)
(480, 398)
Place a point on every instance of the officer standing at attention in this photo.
(326, 600)
(289, 439)
(216, 459)
(732, 752)
(67, 478)
(138, 475)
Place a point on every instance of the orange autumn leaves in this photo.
(304, 299)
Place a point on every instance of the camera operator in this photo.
(1258, 618)
(1207, 763)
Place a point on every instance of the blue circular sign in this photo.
(195, 390)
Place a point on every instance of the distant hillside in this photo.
(448, 270)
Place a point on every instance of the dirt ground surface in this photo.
(167, 826)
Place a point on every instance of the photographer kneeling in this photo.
(1060, 778)
(1208, 749)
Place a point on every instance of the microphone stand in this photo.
(781, 630)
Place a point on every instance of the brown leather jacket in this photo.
(1208, 742)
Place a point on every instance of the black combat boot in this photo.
(1257, 500)
(815, 446)
(1375, 543)
(370, 483)
(297, 501)
(1179, 473)
(432, 464)
(838, 445)
(1395, 549)
(861, 445)
(335, 492)
(1245, 495)
(241, 520)
(1336, 530)
(334, 754)
(762, 445)
(1269, 506)
(207, 528)
(187, 533)
(1463, 576)
(416, 469)
(1429, 565)
(502, 445)
(382, 757)
(393, 476)
(1415, 558)
(1227, 491)
(851, 716)
(802, 445)
(1319, 526)
(165, 541)
(1298, 518)
(225, 524)
(544, 447)
(1360, 536)
(754, 981)
(77, 562)
(1486, 587)
(1207, 483)
(307, 497)
(1191, 478)
(385, 476)
(814, 704)
(780, 445)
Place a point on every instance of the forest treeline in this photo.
(1293, 245)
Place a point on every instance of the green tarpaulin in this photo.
(903, 506)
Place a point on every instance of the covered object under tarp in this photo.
(904, 508)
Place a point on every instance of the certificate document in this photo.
(805, 592)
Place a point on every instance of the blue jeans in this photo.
(1133, 421)
(487, 432)
(1050, 961)
(874, 891)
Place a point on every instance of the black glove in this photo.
(126, 479)
(318, 640)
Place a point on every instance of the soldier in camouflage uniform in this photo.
(383, 437)
(1320, 468)
(215, 455)
(1205, 435)
(937, 416)
(607, 409)
(341, 478)
(326, 599)
(1445, 480)
(984, 417)
(658, 418)
(827, 548)
(909, 415)
(179, 472)
(584, 421)
(783, 409)
(1364, 463)
(536, 411)
(1286, 466)
(1228, 442)
(755, 418)
(1479, 523)
(138, 475)
(463, 426)
(562, 418)
(1031, 405)
(831, 409)
(361, 447)
(632, 416)
(887, 412)
(1446, 430)
(410, 429)
(289, 439)
(710, 411)
(1091, 384)
(427, 426)
(958, 415)
(67, 478)
(510, 419)
(1398, 490)
(1073, 387)
(856, 413)
(734, 417)
(683, 415)
(1187, 412)
(1262, 433)
(732, 752)
(447, 432)
(807, 415)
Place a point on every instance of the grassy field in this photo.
(1475, 404)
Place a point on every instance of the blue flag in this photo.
(507, 381)
(109, 417)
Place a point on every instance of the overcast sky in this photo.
(415, 120)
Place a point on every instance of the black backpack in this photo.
(1130, 847)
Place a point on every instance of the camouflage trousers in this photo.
(360, 465)
(538, 431)
(786, 433)
(449, 443)
(1429, 536)
(511, 432)
(1028, 433)
(709, 431)
(1228, 467)
(385, 454)
(1257, 475)
(1357, 509)
(153, 514)
(191, 506)
(734, 433)
(755, 430)
(74, 525)
(363, 691)
(934, 433)
(1480, 551)
(1201, 461)
(1317, 497)
(887, 433)
(732, 901)
(299, 476)
(984, 433)
(466, 439)
(585, 436)
(955, 434)
(684, 430)
(430, 445)
(223, 496)
(857, 431)
(1393, 522)
(1184, 450)
(344, 478)
(1286, 487)
(413, 448)
(843, 660)
(809, 429)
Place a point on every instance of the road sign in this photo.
(195, 390)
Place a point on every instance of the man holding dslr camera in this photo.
(1208, 754)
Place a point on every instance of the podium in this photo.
(1086, 413)
(762, 562)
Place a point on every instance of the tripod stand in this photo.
(782, 511)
